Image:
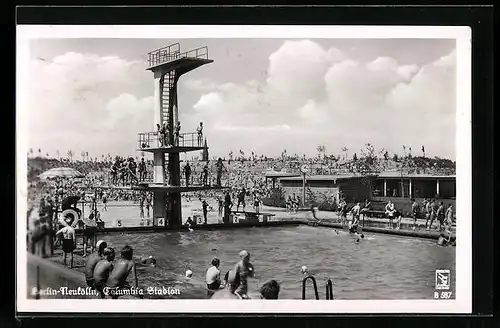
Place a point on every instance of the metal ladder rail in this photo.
(315, 286)
(329, 290)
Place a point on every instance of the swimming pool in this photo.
(379, 267)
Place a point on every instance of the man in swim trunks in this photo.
(102, 270)
(390, 211)
(104, 201)
(92, 260)
(122, 268)
(440, 215)
(356, 210)
(256, 202)
(448, 222)
(220, 203)
(68, 242)
(433, 212)
(213, 277)
(204, 206)
(241, 199)
(415, 210)
(241, 271)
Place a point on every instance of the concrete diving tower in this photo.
(168, 64)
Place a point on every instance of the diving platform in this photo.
(170, 149)
(171, 58)
(153, 143)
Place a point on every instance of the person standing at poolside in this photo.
(227, 207)
(356, 210)
(220, 203)
(415, 210)
(204, 206)
(449, 216)
(148, 203)
(440, 214)
(241, 199)
(187, 173)
(142, 198)
(68, 242)
(199, 131)
(432, 211)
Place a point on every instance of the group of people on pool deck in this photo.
(235, 284)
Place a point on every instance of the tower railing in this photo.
(154, 140)
(173, 52)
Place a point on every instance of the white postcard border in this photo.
(463, 290)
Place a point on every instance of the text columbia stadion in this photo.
(108, 291)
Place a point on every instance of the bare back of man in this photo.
(92, 261)
(101, 274)
(119, 275)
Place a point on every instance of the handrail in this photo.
(329, 290)
(315, 286)
(154, 140)
(165, 54)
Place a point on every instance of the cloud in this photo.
(325, 97)
(309, 95)
(85, 102)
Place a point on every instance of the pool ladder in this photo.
(329, 288)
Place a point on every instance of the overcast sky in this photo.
(261, 95)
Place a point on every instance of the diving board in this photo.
(254, 216)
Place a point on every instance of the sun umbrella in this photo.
(61, 172)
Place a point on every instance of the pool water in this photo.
(379, 267)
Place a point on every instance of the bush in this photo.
(276, 198)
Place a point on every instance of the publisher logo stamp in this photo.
(443, 279)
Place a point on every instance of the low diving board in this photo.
(254, 216)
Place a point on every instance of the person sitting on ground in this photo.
(68, 241)
(213, 276)
(92, 260)
(103, 269)
(189, 223)
(121, 270)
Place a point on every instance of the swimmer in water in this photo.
(305, 271)
(358, 237)
(189, 274)
(149, 261)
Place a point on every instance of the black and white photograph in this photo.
(243, 169)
